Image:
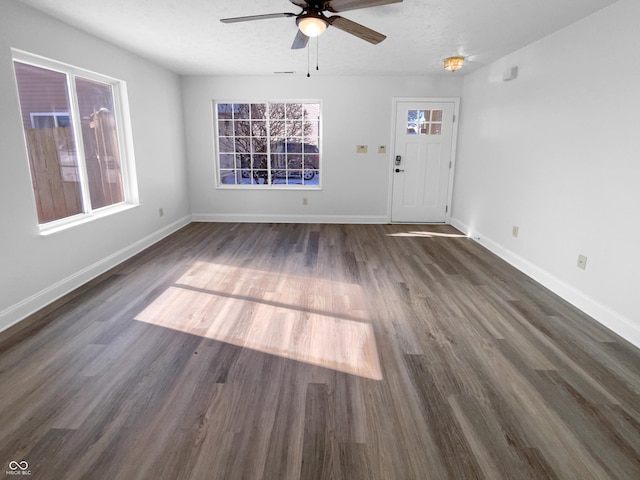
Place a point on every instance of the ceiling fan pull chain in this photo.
(308, 61)
(317, 53)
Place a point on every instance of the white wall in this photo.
(36, 269)
(356, 110)
(557, 152)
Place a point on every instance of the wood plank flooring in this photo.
(294, 351)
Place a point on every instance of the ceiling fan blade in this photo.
(344, 5)
(257, 17)
(356, 29)
(300, 3)
(300, 41)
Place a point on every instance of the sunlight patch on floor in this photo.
(316, 321)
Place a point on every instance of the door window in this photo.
(424, 122)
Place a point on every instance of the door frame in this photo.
(454, 143)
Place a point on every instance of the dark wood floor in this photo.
(233, 351)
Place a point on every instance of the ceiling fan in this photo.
(312, 22)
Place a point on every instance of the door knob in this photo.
(399, 170)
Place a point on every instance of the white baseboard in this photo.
(253, 218)
(15, 313)
(611, 319)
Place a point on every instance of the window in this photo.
(74, 136)
(269, 143)
(50, 119)
(424, 122)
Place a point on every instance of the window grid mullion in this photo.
(268, 120)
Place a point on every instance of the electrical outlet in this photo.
(515, 231)
(305, 201)
(361, 149)
(582, 262)
(161, 211)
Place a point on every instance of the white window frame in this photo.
(271, 186)
(124, 137)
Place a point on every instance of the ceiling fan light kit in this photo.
(453, 63)
(312, 25)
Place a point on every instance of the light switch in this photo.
(382, 149)
(361, 149)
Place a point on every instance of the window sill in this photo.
(67, 223)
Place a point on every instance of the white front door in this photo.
(422, 160)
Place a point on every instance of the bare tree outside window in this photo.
(269, 143)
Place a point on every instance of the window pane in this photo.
(245, 177)
(311, 110)
(311, 176)
(258, 111)
(294, 146)
(225, 111)
(278, 145)
(226, 144)
(436, 116)
(310, 145)
(43, 121)
(225, 128)
(260, 177)
(276, 128)
(100, 140)
(259, 145)
(294, 178)
(259, 129)
(311, 128)
(294, 162)
(276, 111)
(278, 160)
(260, 161)
(294, 129)
(242, 128)
(226, 161)
(243, 160)
(241, 110)
(311, 161)
(243, 145)
(228, 177)
(52, 152)
(293, 111)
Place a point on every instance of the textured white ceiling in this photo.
(187, 37)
